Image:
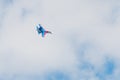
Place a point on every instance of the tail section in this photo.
(47, 32)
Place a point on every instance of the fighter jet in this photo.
(40, 29)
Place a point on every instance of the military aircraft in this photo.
(40, 29)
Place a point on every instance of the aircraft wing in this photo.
(42, 29)
(38, 30)
(43, 34)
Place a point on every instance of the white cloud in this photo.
(72, 23)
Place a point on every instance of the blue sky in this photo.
(85, 43)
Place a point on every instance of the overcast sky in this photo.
(85, 44)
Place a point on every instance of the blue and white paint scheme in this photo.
(40, 29)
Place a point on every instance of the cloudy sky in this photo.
(85, 44)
